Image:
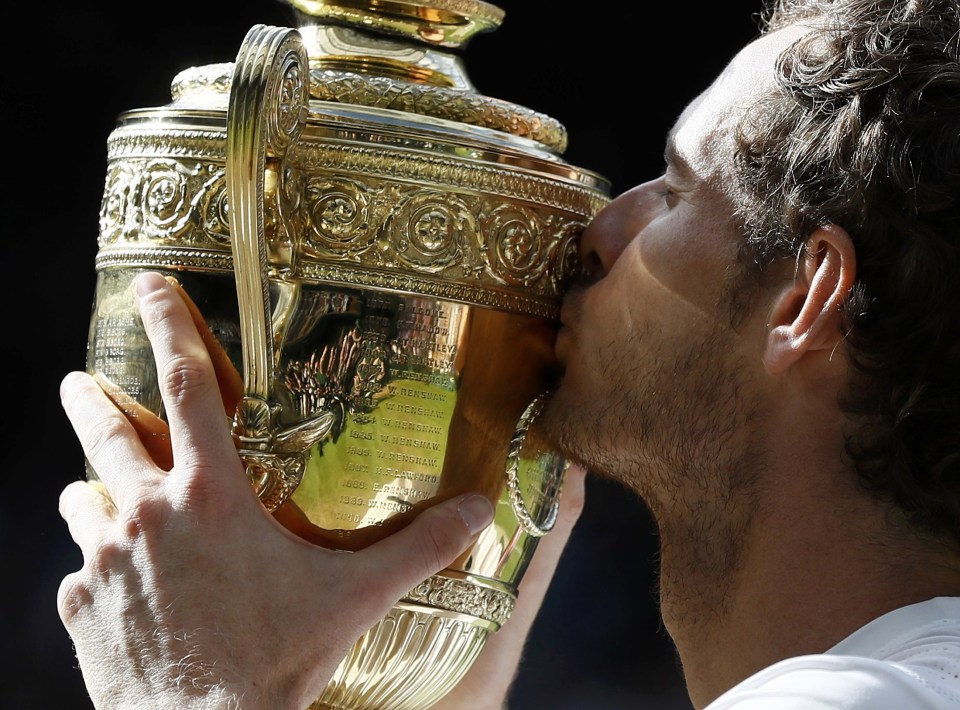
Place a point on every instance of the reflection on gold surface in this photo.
(374, 255)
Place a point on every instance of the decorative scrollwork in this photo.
(464, 597)
(164, 200)
(439, 102)
(565, 265)
(342, 218)
(478, 226)
(286, 92)
(515, 245)
(429, 230)
(114, 205)
(214, 212)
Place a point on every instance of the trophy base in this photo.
(408, 661)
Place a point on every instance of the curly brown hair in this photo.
(863, 131)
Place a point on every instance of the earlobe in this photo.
(807, 315)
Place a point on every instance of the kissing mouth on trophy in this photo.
(375, 255)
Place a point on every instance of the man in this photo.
(766, 352)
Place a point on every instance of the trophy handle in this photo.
(266, 113)
(550, 472)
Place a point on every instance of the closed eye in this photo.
(666, 193)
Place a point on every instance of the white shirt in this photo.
(908, 659)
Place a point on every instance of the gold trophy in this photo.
(376, 254)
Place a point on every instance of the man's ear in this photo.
(807, 315)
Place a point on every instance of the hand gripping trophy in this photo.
(375, 254)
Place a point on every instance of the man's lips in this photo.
(566, 316)
(562, 343)
(569, 313)
(567, 308)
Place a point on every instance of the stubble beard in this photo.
(673, 426)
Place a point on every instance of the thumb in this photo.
(488, 681)
(431, 542)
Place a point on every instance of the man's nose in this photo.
(614, 227)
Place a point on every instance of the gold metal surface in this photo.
(448, 23)
(379, 291)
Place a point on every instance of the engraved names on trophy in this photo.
(110, 354)
(390, 452)
(119, 351)
(404, 224)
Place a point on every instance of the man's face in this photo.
(658, 382)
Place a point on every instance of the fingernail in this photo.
(476, 512)
(149, 282)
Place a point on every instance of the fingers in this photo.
(152, 431)
(488, 681)
(431, 542)
(230, 381)
(199, 430)
(88, 511)
(86, 508)
(436, 537)
(109, 442)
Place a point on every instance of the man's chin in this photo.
(568, 431)
(554, 375)
(559, 425)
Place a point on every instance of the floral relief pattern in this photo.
(480, 232)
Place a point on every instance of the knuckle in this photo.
(102, 563)
(141, 515)
(157, 307)
(185, 378)
(439, 543)
(203, 483)
(103, 433)
(106, 556)
(73, 596)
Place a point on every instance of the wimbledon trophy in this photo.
(375, 253)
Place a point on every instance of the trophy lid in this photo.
(400, 55)
(401, 177)
(447, 23)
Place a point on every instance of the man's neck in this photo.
(799, 574)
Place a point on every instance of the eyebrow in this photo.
(673, 159)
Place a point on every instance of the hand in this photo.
(487, 683)
(191, 595)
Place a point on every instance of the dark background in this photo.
(616, 74)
